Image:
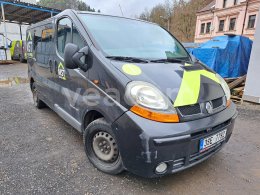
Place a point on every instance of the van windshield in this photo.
(132, 38)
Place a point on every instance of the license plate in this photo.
(209, 142)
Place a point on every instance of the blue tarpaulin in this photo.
(227, 55)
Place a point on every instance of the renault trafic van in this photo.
(18, 50)
(141, 102)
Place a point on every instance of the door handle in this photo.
(55, 66)
(50, 66)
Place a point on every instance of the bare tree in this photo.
(181, 15)
(145, 15)
(158, 15)
(66, 4)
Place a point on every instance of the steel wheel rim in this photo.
(105, 147)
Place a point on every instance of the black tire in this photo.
(36, 101)
(115, 166)
(21, 59)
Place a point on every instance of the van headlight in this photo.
(149, 102)
(225, 88)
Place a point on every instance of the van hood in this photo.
(184, 84)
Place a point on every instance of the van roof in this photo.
(96, 13)
(49, 20)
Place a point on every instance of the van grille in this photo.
(190, 110)
(217, 103)
(199, 109)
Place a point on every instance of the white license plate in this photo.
(209, 142)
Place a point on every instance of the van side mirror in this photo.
(73, 56)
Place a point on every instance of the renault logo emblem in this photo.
(209, 108)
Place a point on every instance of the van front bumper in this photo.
(144, 144)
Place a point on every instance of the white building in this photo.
(252, 89)
(29, 1)
(13, 31)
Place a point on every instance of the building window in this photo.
(202, 28)
(221, 25)
(208, 27)
(235, 2)
(251, 21)
(224, 3)
(232, 24)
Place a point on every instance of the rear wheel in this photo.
(21, 59)
(36, 101)
(101, 147)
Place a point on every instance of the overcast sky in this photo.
(130, 8)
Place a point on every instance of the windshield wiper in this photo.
(173, 60)
(127, 59)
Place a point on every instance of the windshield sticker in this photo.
(132, 69)
(29, 37)
(61, 71)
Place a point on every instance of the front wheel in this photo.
(101, 147)
(36, 101)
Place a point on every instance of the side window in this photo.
(37, 37)
(47, 37)
(63, 34)
(42, 41)
(37, 44)
(76, 38)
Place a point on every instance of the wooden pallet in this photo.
(7, 62)
(236, 86)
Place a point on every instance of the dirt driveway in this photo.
(41, 153)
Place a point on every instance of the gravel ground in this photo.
(13, 70)
(42, 154)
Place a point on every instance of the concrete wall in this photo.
(29, 1)
(252, 88)
(13, 31)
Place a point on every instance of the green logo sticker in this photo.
(29, 37)
(61, 71)
(132, 69)
(29, 45)
(190, 87)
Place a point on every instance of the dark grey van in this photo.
(142, 103)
